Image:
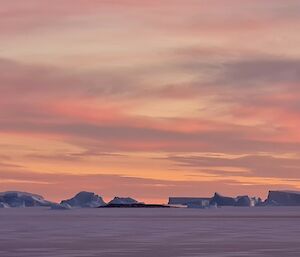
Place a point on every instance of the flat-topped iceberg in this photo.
(84, 200)
(17, 199)
(188, 201)
(216, 200)
(283, 198)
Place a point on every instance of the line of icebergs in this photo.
(15, 199)
(275, 198)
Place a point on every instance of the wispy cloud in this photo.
(144, 89)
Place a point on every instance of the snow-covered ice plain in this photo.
(224, 232)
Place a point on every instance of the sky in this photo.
(149, 99)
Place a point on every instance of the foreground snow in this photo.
(224, 232)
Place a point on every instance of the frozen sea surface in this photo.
(225, 232)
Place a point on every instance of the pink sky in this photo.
(149, 99)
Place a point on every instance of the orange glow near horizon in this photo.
(149, 98)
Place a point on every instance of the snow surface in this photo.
(222, 232)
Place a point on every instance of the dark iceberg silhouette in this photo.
(283, 198)
(190, 202)
(220, 200)
(186, 200)
(128, 202)
(243, 201)
(123, 200)
(135, 205)
(216, 200)
(3, 205)
(84, 200)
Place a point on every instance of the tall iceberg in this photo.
(220, 200)
(84, 200)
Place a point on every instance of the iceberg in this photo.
(198, 205)
(62, 206)
(84, 200)
(135, 205)
(188, 201)
(17, 199)
(244, 201)
(216, 200)
(123, 200)
(283, 198)
(3, 205)
(220, 200)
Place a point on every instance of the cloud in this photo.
(29, 82)
(262, 165)
(51, 102)
(201, 76)
(260, 72)
(71, 157)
